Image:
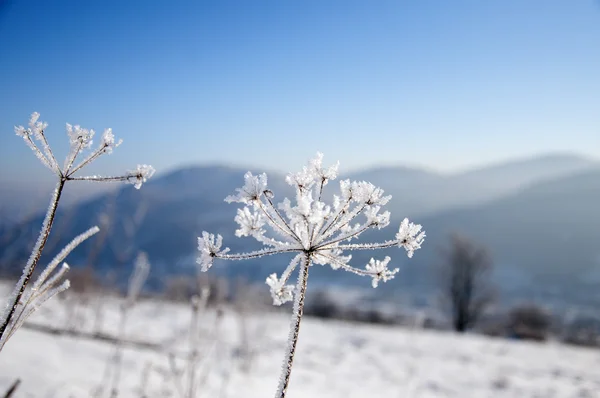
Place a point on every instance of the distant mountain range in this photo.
(540, 218)
(417, 192)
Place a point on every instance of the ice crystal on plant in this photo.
(108, 141)
(80, 137)
(254, 187)
(209, 247)
(140, 175)
(280, 293)
(250, 223)
(311, 226)
(410, 236)
(380, 270)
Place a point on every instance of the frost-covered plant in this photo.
(80, 140)
(112, 372)
(189, 379)
(318, 232)
(45, 286)
(186, 372)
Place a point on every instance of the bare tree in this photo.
(464, 276)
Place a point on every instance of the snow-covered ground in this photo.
(334, 359)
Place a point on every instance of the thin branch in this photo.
(96, 336)
(49, 153)
(349, 268)
(102, 179)
(278, 214)
(71, 157)
(290, 268)
(33, 259)
(64, 253)
(342, 237)
(344, 221)
(342, 210)
(369, 246)
(255, 254)
(323, 179)
(88, 160)
(27, 311)
(12, 389)
(39, 153)
(175, 375)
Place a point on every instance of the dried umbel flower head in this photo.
(311, 227)
(80, 140)
(319, 232)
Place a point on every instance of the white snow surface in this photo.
(334, 359)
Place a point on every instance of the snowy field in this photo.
(240, 356)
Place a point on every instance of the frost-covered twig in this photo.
(101, 337)
(44, 288)
(80, 139)
(198, 305)
(113, 365)
(185, 381)
(11, 390)
(313, 229)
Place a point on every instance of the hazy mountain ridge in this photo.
(418, 192)
(549, 218)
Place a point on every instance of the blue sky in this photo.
(441, 84)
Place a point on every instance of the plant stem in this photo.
(118, 353)
(194, 352)
(35, 256)
(300, 294)
(12, 389)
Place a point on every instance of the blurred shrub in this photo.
(583, 331)
(321, 305)
(529, 322)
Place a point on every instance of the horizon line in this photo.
(414, 167)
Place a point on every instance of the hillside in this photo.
(543, 233)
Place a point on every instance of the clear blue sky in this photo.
(443, 84)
